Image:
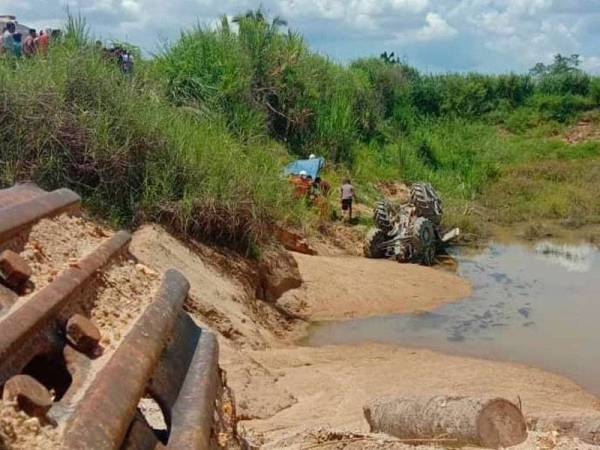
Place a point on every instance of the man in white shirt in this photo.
(347, 196)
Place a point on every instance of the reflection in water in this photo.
(538, 306)
(573, 258)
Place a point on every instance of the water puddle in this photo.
(538, 305)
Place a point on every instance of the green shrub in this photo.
(131, 154)
(595, 90)
(563, 84)
(561, 108)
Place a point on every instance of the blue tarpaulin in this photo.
(312, 167)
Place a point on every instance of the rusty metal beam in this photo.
(170, 373)
(192, 417)
(19, 193)
(31, 328)
(15, 218)
(141, 436)
(101, 419)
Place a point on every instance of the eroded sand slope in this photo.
(287, 394)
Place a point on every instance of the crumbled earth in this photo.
(54, 244)
(18, 431)
(121, 295)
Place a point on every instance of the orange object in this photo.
(43, 42)
(302, 186)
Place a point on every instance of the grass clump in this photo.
(130, 153)
(197, 137)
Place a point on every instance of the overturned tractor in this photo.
(409, 232)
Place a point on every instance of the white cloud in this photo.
(529, 7)
(489, 35)
(131, 6)
(410, 5)
(435, 28)
(591, 64)
(495, 22)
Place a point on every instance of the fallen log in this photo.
(491, 423)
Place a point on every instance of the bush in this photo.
(561, 108)
(132, 155)
(563, 84)
(595, 90)
(520, 120)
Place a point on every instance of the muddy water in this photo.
(538, 305)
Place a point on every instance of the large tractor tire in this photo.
(375, 237)
(424, 241)
(427, 202)
(381, 216)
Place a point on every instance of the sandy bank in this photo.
(341, 287)
(285, 394)
(331, 385)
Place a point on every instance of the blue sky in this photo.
(434, 35)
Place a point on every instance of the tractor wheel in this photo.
(381, 216)
(424, 241)
(375, 237)
(427, 202)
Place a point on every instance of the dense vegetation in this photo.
(198, 135)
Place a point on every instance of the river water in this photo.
(537, 304)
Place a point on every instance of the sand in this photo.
(289, 396)
(341, 287)
(18, 431)
(55, 243)
(331, 385)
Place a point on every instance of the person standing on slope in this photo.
(43, 41)
(347, 196)
(8, 39)
(29, 45)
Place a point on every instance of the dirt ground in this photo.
(332, 384)
(289, 396)
(346, 287)
(585, 130)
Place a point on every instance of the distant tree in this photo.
(390, 58)
(560, 66)
(562, 77)
(259, 16)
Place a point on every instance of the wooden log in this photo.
(491, 423)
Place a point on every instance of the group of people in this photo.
(122, 56)
(14, 44)
(315, 189)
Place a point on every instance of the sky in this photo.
(488, 36)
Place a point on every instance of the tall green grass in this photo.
(72, 119)
(198, 136)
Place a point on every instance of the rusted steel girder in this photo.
(32, 329)
(17, 217)
(186, 384)
(19, 193)
(192, 417)
(101, 419)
